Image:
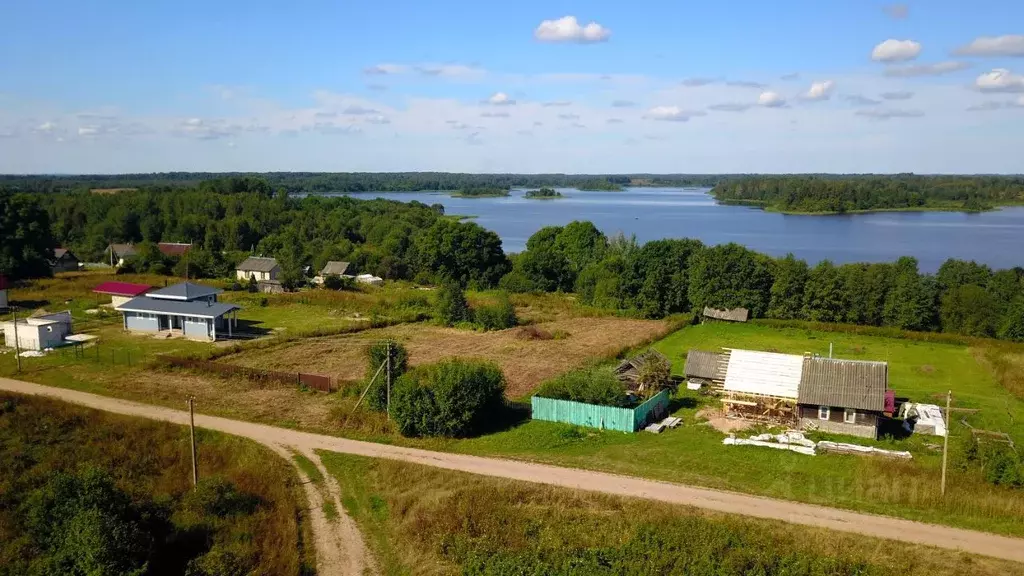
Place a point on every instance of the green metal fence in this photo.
(603, 417)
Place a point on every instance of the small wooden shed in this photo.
(725, 315)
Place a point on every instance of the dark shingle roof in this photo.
(184, 291)
(257, 264)
(701, 364)
(177, 307)
(844, 383)
(734, 315)
(123, 250)
(334, 267)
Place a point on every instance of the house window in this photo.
(850, 416)
(823, 412)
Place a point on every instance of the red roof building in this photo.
(173, 249)
(121, 292)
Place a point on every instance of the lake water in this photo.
(994, 238)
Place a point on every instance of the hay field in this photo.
(525, 359)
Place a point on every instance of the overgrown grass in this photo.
(151, 461)
(308, 468)
(429, 521)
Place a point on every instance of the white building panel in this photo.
(764, 373)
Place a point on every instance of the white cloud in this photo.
(696, 82)
(568, 29)
(231, 144)
(1009, 45)
(614, 121)
(578, 125)
(986, 106)
(378, 119)
(494, 114)
(456, 125)
(896, 11)
(746, 84)
(449, 70)
(88, 130)
(671, 114)
(858, 100)
(357, 110)
(500, 99)
(936, 69)
(771, 99)
(885, 114)
(377, 87)
(729, 107)
(820, 90)
(558, 103)
(569, 116)
(899, 95)
(623, 104)
(790, 76)
(46, 127)
(1000, 80)
(896, 51)
(386, 69)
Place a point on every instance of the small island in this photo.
(544, 193)
(481, 192)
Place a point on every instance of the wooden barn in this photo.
(725, 315)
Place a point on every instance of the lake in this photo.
(994, 238)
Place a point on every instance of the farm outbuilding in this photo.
(38, 332)
(704, 369)
(259, 268)
(119, 253)
(843, 396)
(332, 268)
(63, 261)
(121, 292)
(725, 315)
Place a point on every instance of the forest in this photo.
(228, 219)
(840, 194)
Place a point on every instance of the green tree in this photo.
(602, 284)
(451, 306)
(461, 252)
(910, 304)
(787, 292)
(26, 238)
(728, 276)
(1012, 327)
(497, 316)
(581, 243)
(453, 398)
(969, 310)
(546, 270)
(659, 276)
(824, 297)
(956, 273)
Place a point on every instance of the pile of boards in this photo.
(659, 427)
(796, 442)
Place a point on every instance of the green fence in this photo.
(603, 417)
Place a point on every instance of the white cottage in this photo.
(38, 332)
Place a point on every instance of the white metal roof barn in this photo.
(764, 373)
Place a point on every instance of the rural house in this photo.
(118, 253)
(332, 268)
(186, 309)
(173, 249)
(723, 315)
(38, 332)
(842, 396)
(703, 369)
(121, 292)
(63, 261)
(259, 268)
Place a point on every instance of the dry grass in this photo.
(525, 362)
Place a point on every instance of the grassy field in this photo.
(422, 520)
(151, 462)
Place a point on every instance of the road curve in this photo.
(973, 542)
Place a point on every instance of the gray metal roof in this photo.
(184, 291)
(334, 267)
(257, 264)
(123, 250)
(844, 383)
(177, 307)
(701, 364)
(733, 315)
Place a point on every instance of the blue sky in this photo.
(528, 86)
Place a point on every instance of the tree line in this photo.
(838, 194)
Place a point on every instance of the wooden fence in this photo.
(313, 381)
(603, 417)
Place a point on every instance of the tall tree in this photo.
(910, 304)
(969, 310)
(824, 297)
(787, 292)
(728, 276)
(26, 239)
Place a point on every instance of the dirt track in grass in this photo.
(526, 361)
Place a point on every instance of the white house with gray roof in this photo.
(259, 268)
(188, 309)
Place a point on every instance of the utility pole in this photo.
(389, 379)
(829, 349)
(945, 443)
(192, 429)
(17, 344)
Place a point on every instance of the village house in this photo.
(332, 268)
(119, 253)
(842, 396)
(173, 249)
(186, 309)
(259, 268)
(121, 292)
(703, 369)
(38, 332)
(724, 315)
(63, 261)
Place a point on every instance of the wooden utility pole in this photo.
(389, 379)
(945, 443)
(17, 344)
(192, 430)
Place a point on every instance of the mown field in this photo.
(422, 520)
(246, 516)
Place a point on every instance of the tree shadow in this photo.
(514, 415)
(248, 329)
(28, 304)
(686, 402)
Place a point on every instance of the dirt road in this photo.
(870, 525)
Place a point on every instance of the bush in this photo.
(451, 306)
(591, 386)
(335, 282)
(496, 316)
(454, 398)
(377, 397)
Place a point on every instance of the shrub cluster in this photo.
(591, 386)
(453, 398)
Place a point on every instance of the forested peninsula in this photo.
(841, 194)
(228, 219)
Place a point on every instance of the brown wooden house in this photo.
(842, 396)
